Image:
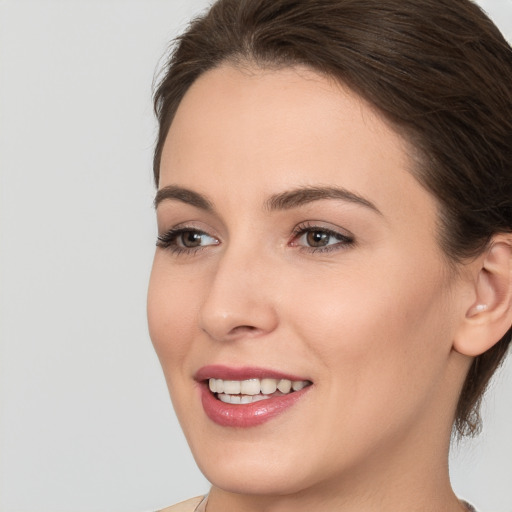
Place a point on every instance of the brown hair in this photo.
(439, 70)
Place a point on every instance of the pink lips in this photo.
(244, 415)
(248, 372)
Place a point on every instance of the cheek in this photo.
(378, 335)
(172, 311)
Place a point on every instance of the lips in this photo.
(245, 397)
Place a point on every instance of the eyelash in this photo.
(344, 241)
(168, 239)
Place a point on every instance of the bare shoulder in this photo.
(185, 506)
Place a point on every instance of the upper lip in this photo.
(242, 373)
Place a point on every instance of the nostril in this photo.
(238, 331)
(243, 329)
(226, 315)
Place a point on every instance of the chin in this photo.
(271, 466)
(256, 477)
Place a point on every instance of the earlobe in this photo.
(489, 317)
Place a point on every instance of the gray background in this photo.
(85, 420)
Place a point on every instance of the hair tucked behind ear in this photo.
(439, 70)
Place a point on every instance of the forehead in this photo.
(283, 105)
(277, 129)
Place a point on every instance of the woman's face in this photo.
(295, 245)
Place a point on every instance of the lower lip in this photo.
(247, 415)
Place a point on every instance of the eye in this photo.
(185, 239)
(318, 238)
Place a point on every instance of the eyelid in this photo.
(190, 225)
(346, 239)
(167, 239)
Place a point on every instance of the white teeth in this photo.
(224, 398)
(284, 385)
(241, 399)
(252, 390)
(232, 387)
(250, 387)
(268, 386)
(297, 385)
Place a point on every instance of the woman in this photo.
(332, 285)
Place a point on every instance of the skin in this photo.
(371, 323)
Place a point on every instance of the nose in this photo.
(241, 297)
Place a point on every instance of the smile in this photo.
(247, 397)
(253, 390)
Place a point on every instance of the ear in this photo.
(490, 315)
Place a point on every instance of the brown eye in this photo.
(191, 239)
(183, 240)
(318, 238)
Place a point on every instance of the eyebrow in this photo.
(282, 201)
(304, 195)
(184, 195)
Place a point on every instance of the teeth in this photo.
(252, 390)
(284, 386)
(241, 399)
(235, 399)
(268, 386)
(297, 385)
(250, 387)
(232, 387)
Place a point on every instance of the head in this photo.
(432, 78)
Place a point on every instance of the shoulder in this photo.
(185, 506)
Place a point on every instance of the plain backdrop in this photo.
(85, 420)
